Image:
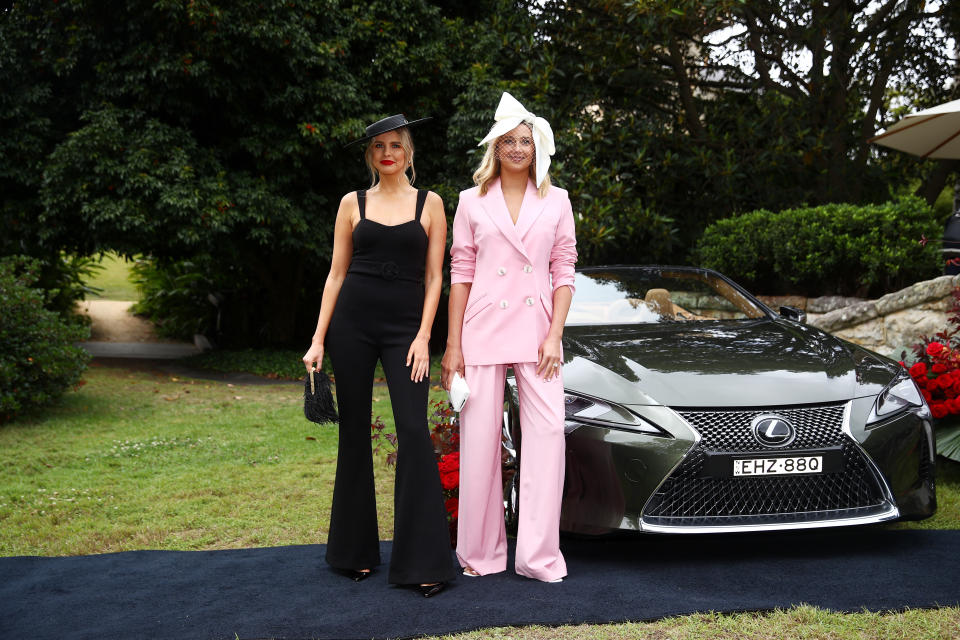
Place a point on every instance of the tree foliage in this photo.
(703, 109)
(207, 130)
(213, 132)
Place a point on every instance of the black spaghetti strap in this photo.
(421, 198)
(362, 202)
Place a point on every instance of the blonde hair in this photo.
(489, 170)
(406, 141)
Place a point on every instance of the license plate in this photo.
(777, 466)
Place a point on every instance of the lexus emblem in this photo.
(773, 430)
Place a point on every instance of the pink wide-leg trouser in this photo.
(481, 536)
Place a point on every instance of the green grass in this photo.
(283, 364)
(809, 623)
(138, 460)
(114, 279)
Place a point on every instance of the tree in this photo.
(702, 109)
(206, 130)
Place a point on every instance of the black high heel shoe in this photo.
(359, 576)
(430, 590)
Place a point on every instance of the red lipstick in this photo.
(387, 162)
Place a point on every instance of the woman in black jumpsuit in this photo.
(378, 303)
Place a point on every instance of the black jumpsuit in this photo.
(377, 316)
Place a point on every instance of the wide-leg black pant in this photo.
(378, 319)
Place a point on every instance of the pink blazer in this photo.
(513, 270)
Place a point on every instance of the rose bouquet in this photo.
(445, 434)
(936, 371)
(939, 379)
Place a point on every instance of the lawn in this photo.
(113, 279)
(141, 460)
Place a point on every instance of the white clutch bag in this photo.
(459, 392)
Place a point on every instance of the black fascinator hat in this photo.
(387, 124)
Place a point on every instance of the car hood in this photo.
(743, 363)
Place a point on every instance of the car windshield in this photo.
(633, 296)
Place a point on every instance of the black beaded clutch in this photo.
(318, 403)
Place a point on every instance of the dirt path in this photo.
(111, 321)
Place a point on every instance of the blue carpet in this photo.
(289, 593)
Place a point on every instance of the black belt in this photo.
(386, 270)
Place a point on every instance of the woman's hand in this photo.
(314, 355)
(452, 363)
(549, 357)
(419, 357)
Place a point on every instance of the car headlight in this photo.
(901, 394)
(581, 410)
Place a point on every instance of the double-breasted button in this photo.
(504, 304)
(529, 302)
(502, 271)
(527, 268)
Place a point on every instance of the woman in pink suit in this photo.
(511, 280)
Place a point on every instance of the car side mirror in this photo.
(792, 313)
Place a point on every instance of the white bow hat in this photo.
(511, 113)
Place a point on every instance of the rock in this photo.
(842, 318)
(825, 304)
(867, 334)
(915, 294)
(906, 327)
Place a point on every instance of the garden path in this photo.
(116, 333)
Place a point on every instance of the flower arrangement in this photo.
(445, 436)
(939, 378)
(936, 371)
(936, 368)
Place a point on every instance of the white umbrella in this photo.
(931, 133)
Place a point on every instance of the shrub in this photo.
(38, 360)
(840, 249)
(278, 364)
(174, 297)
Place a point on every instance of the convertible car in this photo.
(691, 407)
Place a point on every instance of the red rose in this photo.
(953, 405)
(938, 410)
(939, 368)
(934, 349)
(453, 507)
(450, 480)
(919, 370)
(449, 463)
(926, 395)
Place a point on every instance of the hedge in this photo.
(833, 249)
(38, 360)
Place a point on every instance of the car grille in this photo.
(688, 498)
